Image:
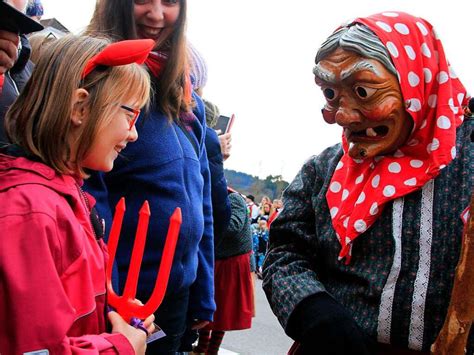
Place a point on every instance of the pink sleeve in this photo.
(103, 343)
(35, 312)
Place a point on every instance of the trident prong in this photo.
(126, 305)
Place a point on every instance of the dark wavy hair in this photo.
(114, 19)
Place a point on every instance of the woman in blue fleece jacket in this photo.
(167, 166)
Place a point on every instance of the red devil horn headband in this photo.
(120, 53)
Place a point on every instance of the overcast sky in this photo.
(260, 55)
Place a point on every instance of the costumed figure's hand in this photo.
(332, 331)
(136, 337)
(9, 42)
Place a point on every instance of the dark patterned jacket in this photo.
(398, 284)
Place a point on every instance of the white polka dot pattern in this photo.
(433, 97)
(416, 163)
(335, 187)
(402, 28)
(443, 122)
(422, 28)
(415, 105)
(427, 75)
(392, 49)
(384, 26)
(361, 198)
(425, 50)
(410, 52)
(442, 77)
(413, 79)
(360, 226)
(394, 168)
(376, 181)
(374, 209)
(345, 194)
(389, 191)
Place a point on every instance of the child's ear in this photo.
(78, 109)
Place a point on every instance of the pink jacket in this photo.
(52, 268)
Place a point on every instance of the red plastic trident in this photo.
(125, 304)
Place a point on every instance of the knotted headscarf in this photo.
(434, 98)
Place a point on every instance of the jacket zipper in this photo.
(87, 204)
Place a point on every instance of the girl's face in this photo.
(112, 137)
(155, 19)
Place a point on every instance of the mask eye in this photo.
(330, 94)
(364, 92)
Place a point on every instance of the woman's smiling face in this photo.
(156, 19)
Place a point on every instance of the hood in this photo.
(19, 170)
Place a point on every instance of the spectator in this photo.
(233, 280)
(260, 241)
(69, 118)
(252, 208)
(35, 9)
(168, 166)
(277, 206)
(15, 67)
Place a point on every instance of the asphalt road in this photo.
(266, 337)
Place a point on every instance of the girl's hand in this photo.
(148, 322)
(136, 337)
(149, 325)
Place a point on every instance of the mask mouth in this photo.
(369, 133)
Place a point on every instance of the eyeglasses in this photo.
(132, 120)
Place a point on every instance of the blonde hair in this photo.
(40, 119)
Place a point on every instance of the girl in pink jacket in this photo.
(75, 113)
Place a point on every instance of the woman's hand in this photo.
(226, 146)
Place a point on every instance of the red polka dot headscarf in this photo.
(434, 97)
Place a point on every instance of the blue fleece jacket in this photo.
(164, 167)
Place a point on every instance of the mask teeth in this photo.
(370, 132)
